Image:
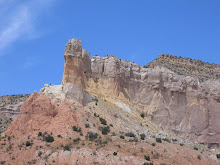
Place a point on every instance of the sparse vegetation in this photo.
(148, 163)
(28, 143)
(87, 125)
(39, 153)
(66, 148)
(167, 140)
(105, 130)
(91, 136)
(39, 133)
(103, 121)
(49, 139)
(59, 136)
(96, 115)
(130, 134)
(218, 156)
(76, 129)
(153, 144)
(147, 158)
(158, 140)
(181, 144)
(115, 153)
(76, 140)
(142, 115)
(122, 137)
(142, 136)
(195, 148)
(199, 157)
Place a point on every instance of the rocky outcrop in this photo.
(10, 105)
(186, 66)
(179, 103)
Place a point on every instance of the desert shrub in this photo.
(122, 137)
(105, 130)
(59, 136)
(76, 140)
(87, 125)
(153, 144)
(199, 157)
(181, 144)
(28, 143)
(9, 138)
(142, 136)
(76, 129)
(130, 134)
(167, 140)
(195, 148)
(39, 133)
(147, 158)
(66, 148)
(111, 125)
(158, 140)
(163, 164)
(103, 121)
(218, 156)
(49, 139)
(148, 163)
(96, 115)
(142, 115)
(2, 162)
(91, 136)
(115, 153)
(39, 153)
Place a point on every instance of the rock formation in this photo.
(179, 103)
(109, 111)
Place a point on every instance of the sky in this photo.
(33, 35)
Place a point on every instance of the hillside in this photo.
(187, 67)
(110, 111)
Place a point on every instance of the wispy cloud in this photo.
(18, 20)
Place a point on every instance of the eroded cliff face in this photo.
(178, 103)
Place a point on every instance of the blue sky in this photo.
(33, 34)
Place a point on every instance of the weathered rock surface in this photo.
(179, 103)
(10, 105)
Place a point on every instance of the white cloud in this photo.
(18, 21)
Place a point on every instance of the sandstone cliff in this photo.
(183, 104)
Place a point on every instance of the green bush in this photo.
(148, 163)
(158, 140)
(9, 138)
(87, 125)
(96, 115)
(103, 121)
(49, 139)
(28, 143)
(105, 130)
(91, 136)
(122, 137)
(76, 140)
(142, 136)
(39, 153)
(66, 148)
(130, 134)
(39, 133)
(199, 157)
(147, 158)
(142, 115)
(167, 140)
(218, 156)
(181, 144)
(115, 153)
(59, 136)
(195, 148)
(76, 129)
(153, 144)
